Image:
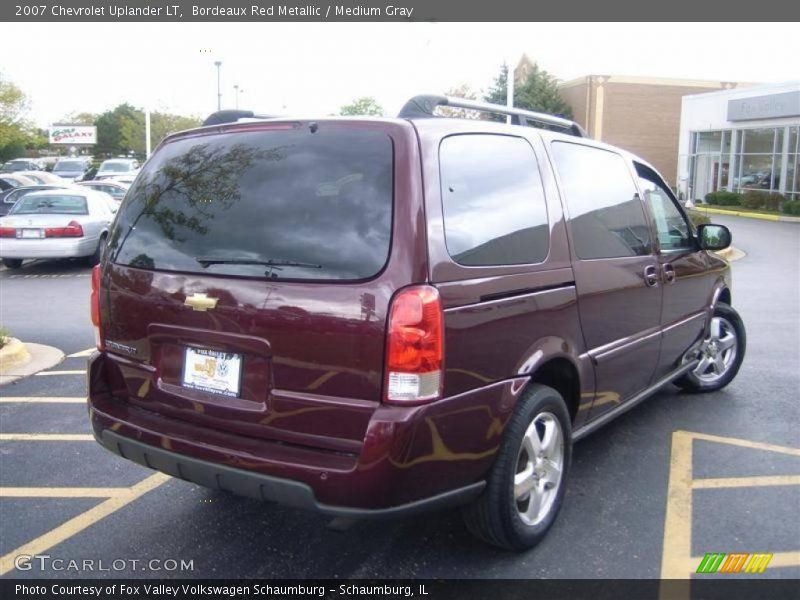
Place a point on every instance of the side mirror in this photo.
(713, 237)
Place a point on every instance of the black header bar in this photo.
(400, 11)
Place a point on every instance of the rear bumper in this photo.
(48, 248)
(265, 487)
(412, 459)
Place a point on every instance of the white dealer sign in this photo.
(73, 134)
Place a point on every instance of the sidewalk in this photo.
(18, 360)
(705, 209)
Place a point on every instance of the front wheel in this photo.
(526, 486)
(720, 354)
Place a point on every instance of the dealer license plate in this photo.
(212, 371)
(32, 233)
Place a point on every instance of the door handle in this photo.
(669, 273)
(651, 276)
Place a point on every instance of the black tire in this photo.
(692, 382)
(495, 516)
(95, 258)
(12, 263)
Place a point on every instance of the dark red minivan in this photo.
(374, 317)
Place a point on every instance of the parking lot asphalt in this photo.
(677, 477)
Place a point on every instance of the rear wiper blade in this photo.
(206, 261)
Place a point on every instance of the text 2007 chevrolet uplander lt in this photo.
(374, 317)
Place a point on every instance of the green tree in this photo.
(122, 130)
(539, 92)
(465, 92)
(14, 130)
(163, 124)
(364, 106)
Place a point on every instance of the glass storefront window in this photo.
(758, 141)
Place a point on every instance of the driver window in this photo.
(673, 231)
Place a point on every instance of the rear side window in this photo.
(606, 215)
(53, 205)
(493, 201)
(282, 203)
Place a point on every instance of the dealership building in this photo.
(739, 140)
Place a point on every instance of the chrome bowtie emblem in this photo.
(201, 302)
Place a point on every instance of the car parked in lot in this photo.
(42, 177)
(113, 188)
(9, 198)
(375, 317)
(116, 167)
(21, 164)
(15, 180)
(72, 169)
(59, 223)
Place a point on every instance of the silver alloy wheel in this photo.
(717, 353)
(540, 463)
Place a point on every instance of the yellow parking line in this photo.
(60, 492)
(81, 372)
(678, 520)
(42, 400)
(82, 353)
(677, 561)
(46, 437)
(746, 443)
(731, 482)
(82, 521)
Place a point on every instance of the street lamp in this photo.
(238, 91)
(218, 64)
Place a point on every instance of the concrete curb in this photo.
(13, 354)
(701, 208)
(41, 357)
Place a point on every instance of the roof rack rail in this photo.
(421, 107)
(231, 116)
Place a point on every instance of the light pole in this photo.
(237, 92)
(218, 64)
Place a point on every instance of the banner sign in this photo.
(73, 134)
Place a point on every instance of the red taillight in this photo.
(94, 302)
(8, 232)
(415, 346)
(73, 229)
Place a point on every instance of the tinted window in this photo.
(493, 202)
(321, 199)
(40, 204)
(671, 226)
(606, 214)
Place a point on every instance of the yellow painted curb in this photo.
(737, 213)
(13, 354)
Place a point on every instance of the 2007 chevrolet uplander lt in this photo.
(373, 317)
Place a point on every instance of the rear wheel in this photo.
(12, 263)
(95, 258)
(526, 485)
(721, 353)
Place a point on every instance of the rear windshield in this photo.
(116, 167)
(69, 165)
(284, 204)
(52, 205)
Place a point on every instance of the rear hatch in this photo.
(247, 286)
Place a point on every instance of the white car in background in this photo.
(112, 187)
(61, 223)
(71, 168)
(116, 167)
(43, 177)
